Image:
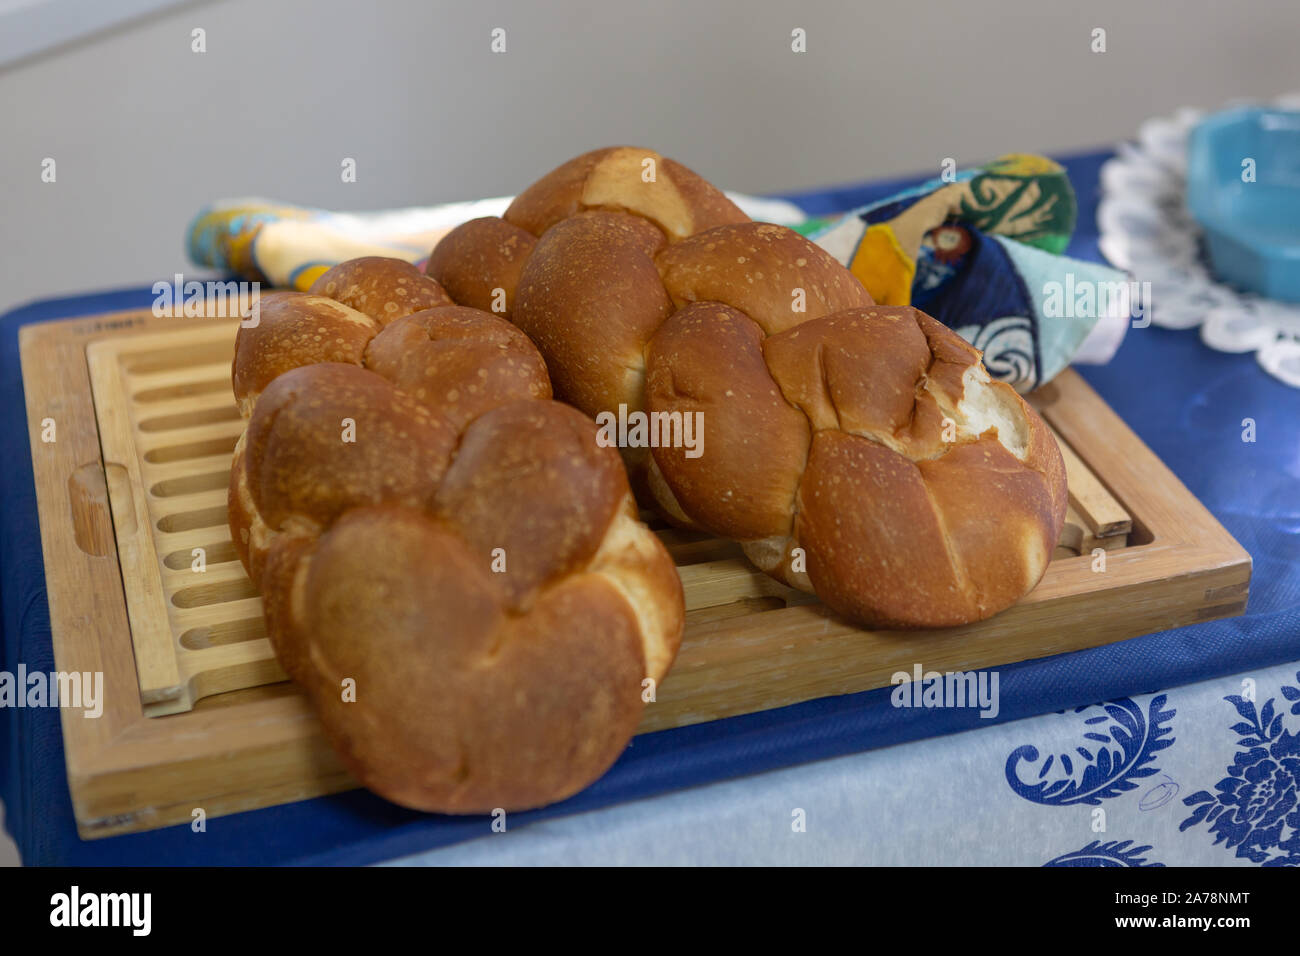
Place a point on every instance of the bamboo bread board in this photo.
(144, 584)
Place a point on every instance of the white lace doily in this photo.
(1146, 228)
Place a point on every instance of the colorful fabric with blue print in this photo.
(980, 251)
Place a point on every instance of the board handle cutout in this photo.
(92, 524)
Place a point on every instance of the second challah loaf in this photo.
(858, 451)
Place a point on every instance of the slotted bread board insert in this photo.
(144, 583)
(167, 417)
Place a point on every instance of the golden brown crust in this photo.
(531, 488)
(771, 273)
(626, 179)
(384, 289)
(240, 510)
(709, 206)
(450, 563)
(947, 540)
(280, 579)
(294, 329)
(462, 362)
(479, 263)
(590, 298)
(707, 360)
(998, 516)
(556, 196)
(858, 371)
(468, 708)
(875, 548)
(1043, 455)
(638, 566)
(930, 495)
(325, 438)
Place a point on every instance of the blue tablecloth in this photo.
(1186, 401)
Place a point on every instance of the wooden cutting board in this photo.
(144, 585)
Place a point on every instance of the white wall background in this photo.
(144, 131)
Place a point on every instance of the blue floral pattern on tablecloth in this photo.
(1122, 810)
(1254, 809)
(1118, 746)
(1112, 853)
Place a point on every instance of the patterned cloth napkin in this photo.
(980, 251)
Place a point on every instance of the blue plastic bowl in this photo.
(1252, 229)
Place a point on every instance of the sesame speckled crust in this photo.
(384, 289)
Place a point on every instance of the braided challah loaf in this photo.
(857, 451)
(451, 565)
